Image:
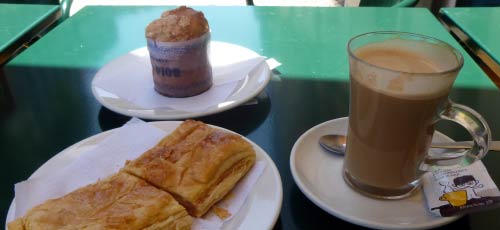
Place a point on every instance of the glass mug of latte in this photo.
(399, 86)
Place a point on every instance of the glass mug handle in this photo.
(478, 129)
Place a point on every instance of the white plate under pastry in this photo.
(134, 63)
(318, 175)
(260, 210)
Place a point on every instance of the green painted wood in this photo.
(17, 19)
(308, 41)
(482, 25)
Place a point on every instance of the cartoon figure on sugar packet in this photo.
(462, 189)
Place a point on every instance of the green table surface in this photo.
(52, 106)
(481, 25)
(18, 19)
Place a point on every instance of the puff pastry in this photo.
(196, 163)
(121, 201)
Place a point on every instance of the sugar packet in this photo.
(460, 190)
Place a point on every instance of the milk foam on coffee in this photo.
(404, 62)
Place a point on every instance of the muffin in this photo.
(178, 48)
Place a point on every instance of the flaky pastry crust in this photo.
(197, 164)
(121, 201)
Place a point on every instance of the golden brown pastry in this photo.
(197, 164)
(121, 201)
(16, 224)
(179, 24)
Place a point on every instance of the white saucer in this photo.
(260, 210)
(220, 53)
(318, 174)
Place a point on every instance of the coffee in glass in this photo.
(399, 89)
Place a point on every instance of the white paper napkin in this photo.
(129, 77)
(104, 160)
(107, 158)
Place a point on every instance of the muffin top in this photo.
(179, 24)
